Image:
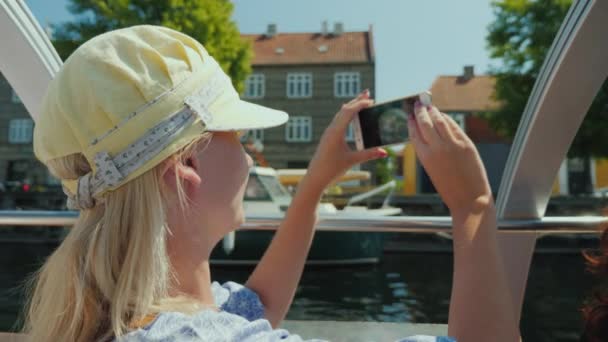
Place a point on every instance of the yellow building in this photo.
(464, 97)
(570, 177)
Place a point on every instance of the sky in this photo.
(414, 41)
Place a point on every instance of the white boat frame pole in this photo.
(575, 68)
(29, 60)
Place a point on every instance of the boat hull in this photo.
(328, 248)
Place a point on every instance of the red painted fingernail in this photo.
(382, 153)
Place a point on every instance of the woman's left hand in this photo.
(333, 156)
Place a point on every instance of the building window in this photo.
(350, 133)
(460, 120)
(347, 84)
(255, 86)
(299, 129)
(20, 131)
(14, 97)
(253, 134)
(299, 85)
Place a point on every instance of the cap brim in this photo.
(242, 115)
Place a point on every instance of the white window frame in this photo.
(460, 119)
(297, 83)
(299, 129)
(347, 84)
(20, 131)
(256, 134)
(255, 86)
(350, 133)
(14, 97)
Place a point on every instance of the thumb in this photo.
(370, 154)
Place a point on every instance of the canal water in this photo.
(404, 287)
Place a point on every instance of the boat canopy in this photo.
(294, 176)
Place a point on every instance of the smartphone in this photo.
(386, 123)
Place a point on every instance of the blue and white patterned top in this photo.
(240, 319)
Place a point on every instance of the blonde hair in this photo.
(113, 266)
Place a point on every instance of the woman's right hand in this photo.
(451, 161)
(334, 156)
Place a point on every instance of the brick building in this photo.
(308, 75)
(17, 162)
(463, 97)
(467, 95)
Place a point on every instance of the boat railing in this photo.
(516, 239)
(392, 224)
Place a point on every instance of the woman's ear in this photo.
(184, 171)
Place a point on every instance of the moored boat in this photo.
(266, 196)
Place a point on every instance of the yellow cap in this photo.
(117, 87)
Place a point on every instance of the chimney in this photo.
(324, 29)
(468, 72)
(338, 28)
(271, 31)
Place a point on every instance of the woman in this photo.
(140, 125)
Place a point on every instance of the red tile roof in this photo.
(456, 94)
(306, 48)
(479, 130)
(472, 95)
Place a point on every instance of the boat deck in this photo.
(335, 331)
(361, 331)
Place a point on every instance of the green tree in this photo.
(385, 168)
(208, 21)
(520, 38)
